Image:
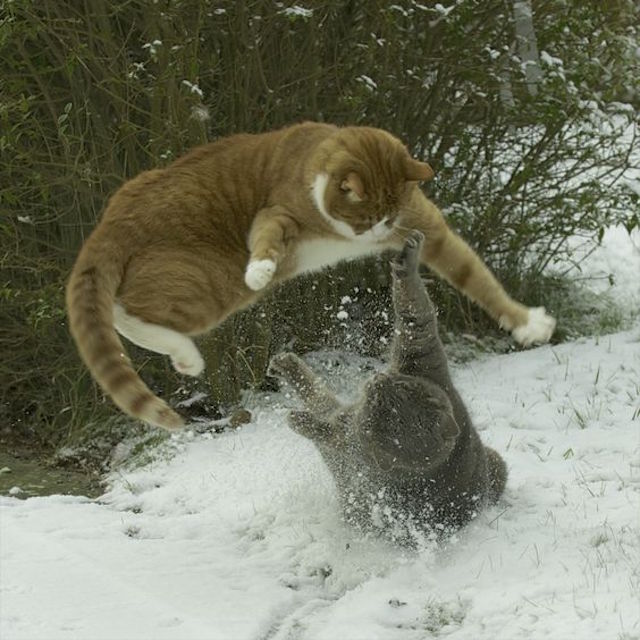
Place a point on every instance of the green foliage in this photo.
(93, 93)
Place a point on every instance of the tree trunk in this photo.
(527, 44)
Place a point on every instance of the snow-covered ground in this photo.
(238, 535)
(613, 268)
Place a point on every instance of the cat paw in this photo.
(189, 364)
(409, 255)
(414, 240)
(259, 274)
(538, 329)
(282, 364)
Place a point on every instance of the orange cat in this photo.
(179, 249)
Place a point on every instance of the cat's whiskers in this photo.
(414, 210)
(395, 232)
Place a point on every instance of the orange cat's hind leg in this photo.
(184, 354)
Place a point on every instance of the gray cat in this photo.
(405, 458)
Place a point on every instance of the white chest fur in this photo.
(313, 255)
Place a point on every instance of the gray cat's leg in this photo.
(416, 348)
(497, 471)
(313, 391)
(307, 425)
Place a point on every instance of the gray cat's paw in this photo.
(409, 257)
(414, 241)
(282, 365)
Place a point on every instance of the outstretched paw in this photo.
(259, 274)
(538, 328)
(410, 254)
(283, 365)
(414, 241)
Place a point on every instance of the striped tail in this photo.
(91, 295)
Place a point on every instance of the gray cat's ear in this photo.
(414, 170)
(448, 426)
(307, 425)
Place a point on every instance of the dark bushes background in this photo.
(94, 91)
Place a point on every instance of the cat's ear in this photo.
(449, 426)
(352, 184)
(416, 170)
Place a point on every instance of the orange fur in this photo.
(174, 244)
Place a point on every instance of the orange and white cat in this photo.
(179, 249)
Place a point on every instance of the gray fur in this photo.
(405, 457)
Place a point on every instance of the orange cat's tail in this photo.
(91, 292)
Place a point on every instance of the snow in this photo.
(193, 88)
(297, 12)
(238, 535)
(614, 269)
(550, 60)
(368, 82)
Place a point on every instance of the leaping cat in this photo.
(180, 249)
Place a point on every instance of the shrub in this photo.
(93, 93)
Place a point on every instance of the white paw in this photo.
(259, 273)
(188, 363)
(539, 327)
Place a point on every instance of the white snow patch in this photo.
(248, 521)
(614, 267)
(368, 82)
(297, 11)
(193, 88)
(550, 60)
